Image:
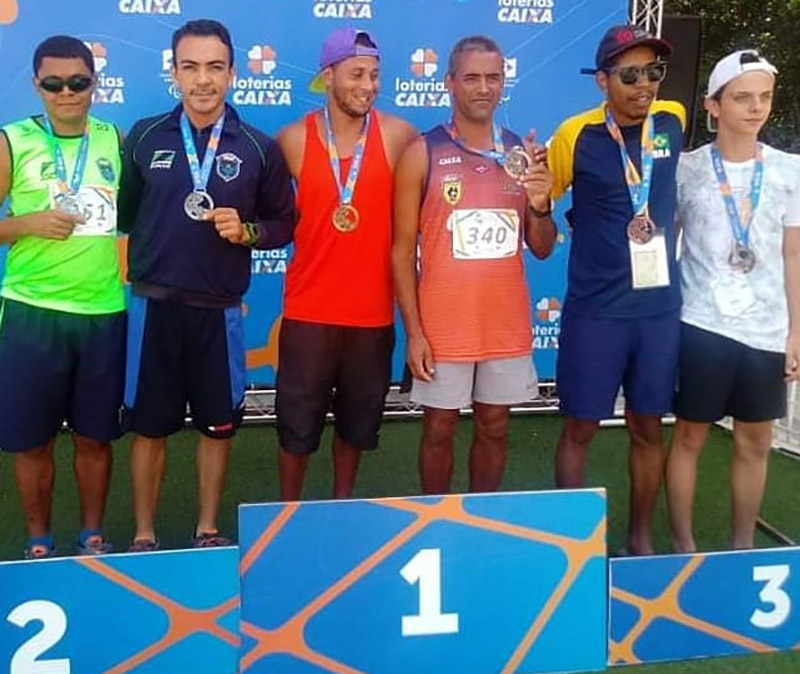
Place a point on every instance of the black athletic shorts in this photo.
(179, 354)
(719, 377)
(323, 366)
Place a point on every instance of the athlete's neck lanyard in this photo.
(497, 154)
(74, 185)
(346, 192)
(740, 221)
(638, 185)
(201, 174)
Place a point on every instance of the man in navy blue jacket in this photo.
(200, 188)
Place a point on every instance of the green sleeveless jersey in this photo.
(79, 275)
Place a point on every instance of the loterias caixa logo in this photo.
(261, 86)
(424, 89)
(110, 88)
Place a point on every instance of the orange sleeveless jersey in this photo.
(470, 309)
(334, 277)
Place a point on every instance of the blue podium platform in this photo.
(706, 605)
(468, 584)
(145, 614)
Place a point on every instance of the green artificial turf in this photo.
(392, 471)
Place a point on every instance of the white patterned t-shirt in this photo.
(708, 238)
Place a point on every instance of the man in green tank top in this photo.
(62, 318)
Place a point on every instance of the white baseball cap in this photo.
(738, 63)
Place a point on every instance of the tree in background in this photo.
(772, 27)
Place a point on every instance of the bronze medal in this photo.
(516, 162)
(641, 229)
(742, 259)
(345, 218)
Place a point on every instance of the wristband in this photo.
(252, 234)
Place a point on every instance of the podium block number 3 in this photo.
(772, 594)
(425, 568)
(54, 626)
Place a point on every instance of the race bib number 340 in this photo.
(484, 233)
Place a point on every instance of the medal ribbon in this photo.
(346, 192)
(740, 221)
(638, 185)
(74, 185)
(201, 174)
(497, 154)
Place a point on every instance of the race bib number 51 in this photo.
(484, 233)
(99, 205)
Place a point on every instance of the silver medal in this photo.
(71, 204)
(197, 204)
(516, 162)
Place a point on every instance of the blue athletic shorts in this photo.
(179, 354)
(57, 366)
(597, 356)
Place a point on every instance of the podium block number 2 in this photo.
(54, 626)
(772, 594)
(425, 568)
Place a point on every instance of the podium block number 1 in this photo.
(425, 568)
(54, 627)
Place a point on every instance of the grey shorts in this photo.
(501, 381)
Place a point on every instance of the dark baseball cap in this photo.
(620, 39)
(341, 44)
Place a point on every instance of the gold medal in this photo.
(345, 218)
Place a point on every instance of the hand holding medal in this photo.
(68, 199)
(535, 177)
(228, 224)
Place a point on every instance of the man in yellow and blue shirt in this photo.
(620, 323)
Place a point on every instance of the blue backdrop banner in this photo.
(277, 42)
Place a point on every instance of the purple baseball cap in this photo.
(620, 39)
(341, 44)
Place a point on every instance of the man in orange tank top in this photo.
(467, 312)
(337, 334)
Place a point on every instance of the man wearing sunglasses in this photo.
(620, 322)
(62, 320)
(200, 188)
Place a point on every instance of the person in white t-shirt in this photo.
(739, 210)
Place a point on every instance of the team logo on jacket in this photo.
(106, 169)
(162, 159)
(228, 166)
(452, 190)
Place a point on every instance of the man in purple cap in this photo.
(621, 316)
(337, 334)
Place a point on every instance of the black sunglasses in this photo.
(75, 83)
(654, 72)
